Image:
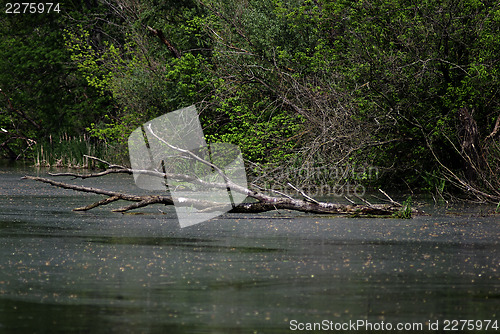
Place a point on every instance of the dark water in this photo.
(102, 272)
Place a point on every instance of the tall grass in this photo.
(69, 151)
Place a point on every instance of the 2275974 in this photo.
(32, 7)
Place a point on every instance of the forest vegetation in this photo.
(303, 87)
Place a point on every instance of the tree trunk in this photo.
(263, 202)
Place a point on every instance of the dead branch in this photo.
(495, 131)
(475, 161)
(161, 36)
(264, 203)
(86, 176)
(308, 198)
(459, 182)
(113, 196)
(110, 165)
(142, 201)
(389, 197)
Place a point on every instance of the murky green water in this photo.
(103, 272)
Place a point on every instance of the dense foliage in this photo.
(317, 85)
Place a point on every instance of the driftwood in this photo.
(262, 202)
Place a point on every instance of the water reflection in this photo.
(102, 272)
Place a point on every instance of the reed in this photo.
(69, 152)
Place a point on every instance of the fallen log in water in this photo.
(262, 201)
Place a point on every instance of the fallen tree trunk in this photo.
(262, 202)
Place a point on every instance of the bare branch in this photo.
(495, 131)
(96, 204)
(104, 162)
(272, 191)
(349, 200)
(86, 176)
(303, 194)
(389, 197)
(264, 203)
(163, 39)
(363, 200)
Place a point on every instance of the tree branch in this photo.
(20, 112)
(495, 131)
(161, 36)
(264, 203)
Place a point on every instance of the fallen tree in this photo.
(262, 202)
(185, 171)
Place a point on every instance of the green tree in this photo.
(41, 95)
(424, 63)
(410, 88)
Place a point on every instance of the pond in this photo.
(279, 272)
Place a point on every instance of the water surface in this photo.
(103, 272)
